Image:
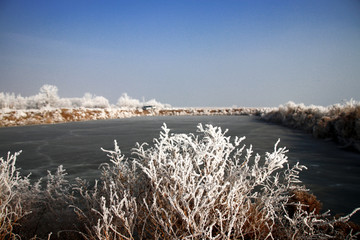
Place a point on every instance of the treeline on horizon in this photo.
(48, 98)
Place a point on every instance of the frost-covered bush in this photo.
(203, 186)
(109, 210)
(49, 202)
(128, 102)
(206, 188)
(34, 210)
(11, 186)
(341, 122)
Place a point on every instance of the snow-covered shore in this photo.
(47, 107)
(11, 117)
(339, 122)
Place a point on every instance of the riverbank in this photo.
(10, 117)
(339, 122)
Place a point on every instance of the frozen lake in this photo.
(333, 174)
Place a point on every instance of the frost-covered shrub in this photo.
(202, 186)
(109, 210)
(206, 188)
(340, 122)
(49, 202)
(34, 210)
(11, 186)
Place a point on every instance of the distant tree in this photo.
(20, 102)
(100, 102)
(157, 104)
(2, 100)
(128, 102)
(49, 95)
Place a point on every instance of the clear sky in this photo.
(185, 53)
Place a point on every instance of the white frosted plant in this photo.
(12, 188)
(202, 186)
(109, 209)
(29, 209)
(126, 101)
(205, 187)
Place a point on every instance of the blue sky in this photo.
(185, 53)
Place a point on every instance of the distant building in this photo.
(148, 107)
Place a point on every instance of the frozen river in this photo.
(333, 174)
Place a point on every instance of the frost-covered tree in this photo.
(48, 96)
(127, 102)
(3, 100)
(8, 100)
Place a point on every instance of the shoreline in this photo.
(11, 118)
(339, 123)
